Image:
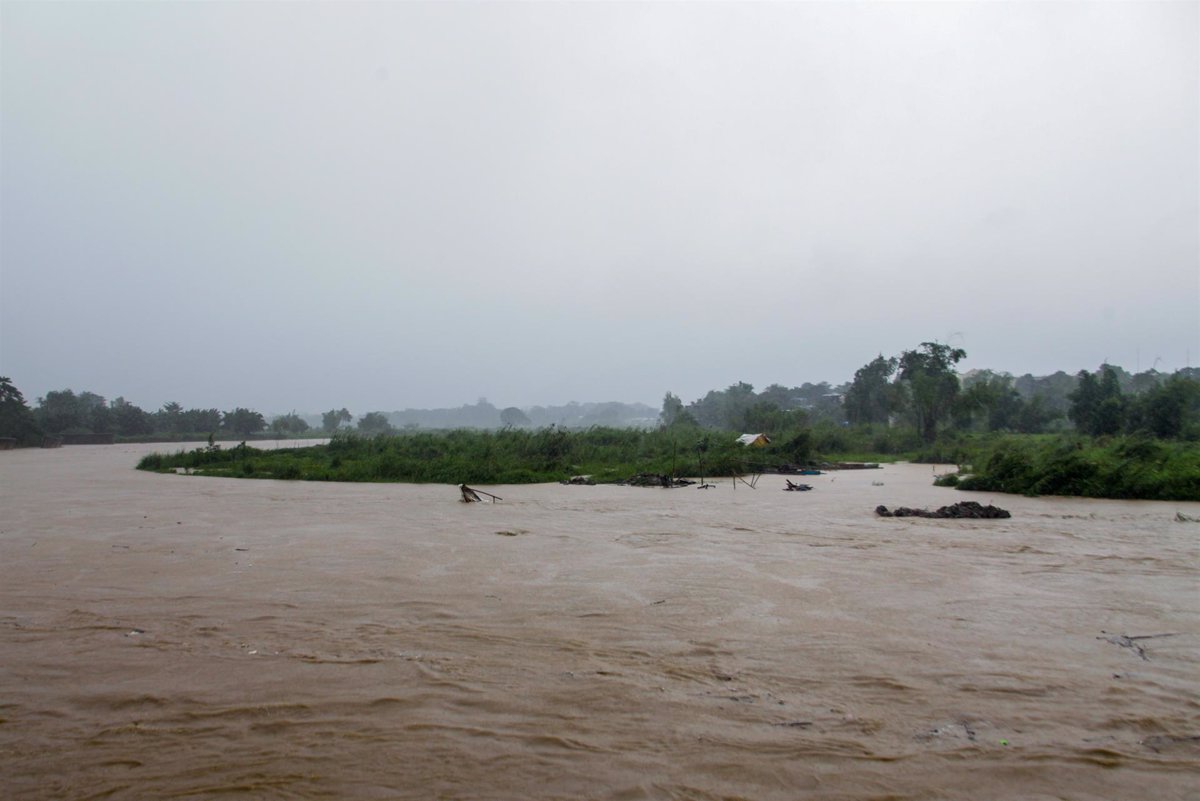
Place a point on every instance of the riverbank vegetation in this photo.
(1130, 467)
(1101, 434)
(507, 456)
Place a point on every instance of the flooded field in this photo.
(169, 636)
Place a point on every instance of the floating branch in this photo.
(1132, 642)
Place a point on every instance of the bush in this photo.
(1134, 467)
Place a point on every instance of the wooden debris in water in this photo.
(655, 480)
(579, 481)
(752, 483)
(1132, 642)
(472, 495)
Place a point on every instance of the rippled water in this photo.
(184, 637)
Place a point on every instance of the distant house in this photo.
(755, 440)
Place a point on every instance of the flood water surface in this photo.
(167, 636)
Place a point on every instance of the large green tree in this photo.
(334, 418)
(672, 407)
(871, 397)
(1097, 404)
(243, 421)
(512, 417)
(291, 423)
(932, 386)
(129, 419)
(63, 410)
(197, 421)
(725, 409)
(374, 423)
(169, 418)
(1167, 410)
(16, 419)
(989, 401)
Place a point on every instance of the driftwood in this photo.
(1160, 742)
(796, 487)
(655, 480)
(799, 470)
(579, 480)
(472, 495)
(1132, 642)
(962, 510)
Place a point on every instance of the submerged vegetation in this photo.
(508, 456)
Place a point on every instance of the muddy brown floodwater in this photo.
(169, 636)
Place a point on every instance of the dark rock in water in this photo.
(970, 510)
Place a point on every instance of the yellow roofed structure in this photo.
(755, 440)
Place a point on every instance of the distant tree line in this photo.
(907, 401)
(64, 411)
(892, 405)
(67, 412)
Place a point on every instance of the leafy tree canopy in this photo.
(16, 419)
(243, 421)
(335, 418)
(871, 397)
(374, 423)
(513, 417)
(291, 423)
(932, 385)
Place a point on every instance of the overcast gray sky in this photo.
(403, 205)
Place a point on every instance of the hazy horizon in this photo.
(414, 205)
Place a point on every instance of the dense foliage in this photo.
(1118, 467)
(67, 412)
(16, 419)
(1107, 433)
(507, 456)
